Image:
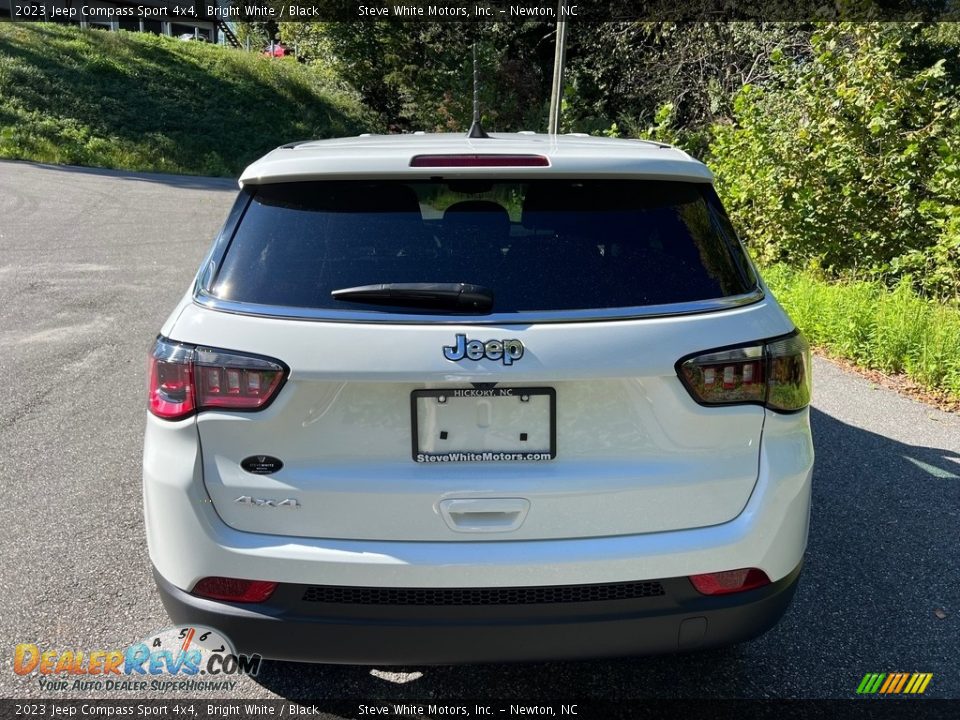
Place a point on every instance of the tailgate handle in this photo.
(484, 514)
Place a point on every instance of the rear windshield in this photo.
(540, 245)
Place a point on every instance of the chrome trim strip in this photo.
(203, 298)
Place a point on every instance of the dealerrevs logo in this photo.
(169, 660)
(895, 683)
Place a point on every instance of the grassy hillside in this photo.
(142, 102)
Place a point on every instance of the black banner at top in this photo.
(486, 10)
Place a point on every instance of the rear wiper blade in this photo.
(462, 297)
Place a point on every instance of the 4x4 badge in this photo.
(507, 351)
(268, 502)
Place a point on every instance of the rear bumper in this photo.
(290, 627)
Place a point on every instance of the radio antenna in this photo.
(476, 131)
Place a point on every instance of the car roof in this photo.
(388, 156)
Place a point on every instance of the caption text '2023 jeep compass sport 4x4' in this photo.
(435, 399)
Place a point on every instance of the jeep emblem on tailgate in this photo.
(508, 351)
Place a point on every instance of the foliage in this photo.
(850, 160)
(895, 332)
(253, 35)
(419, 76)
(626, 73)
(142, 102)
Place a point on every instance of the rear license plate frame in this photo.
(494, 392)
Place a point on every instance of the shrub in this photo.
(850, 159)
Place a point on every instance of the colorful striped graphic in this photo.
(894, 683)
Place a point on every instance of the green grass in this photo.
(136, 101)
(865, 322)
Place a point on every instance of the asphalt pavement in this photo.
(92, 261)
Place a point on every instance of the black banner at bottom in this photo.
(218, 709)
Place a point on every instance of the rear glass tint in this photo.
(541, 245)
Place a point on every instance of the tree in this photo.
(419, 76)
(625, 73)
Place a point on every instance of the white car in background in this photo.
(435, 399)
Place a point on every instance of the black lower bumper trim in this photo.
(288, 627)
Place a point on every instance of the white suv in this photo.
(434, 399)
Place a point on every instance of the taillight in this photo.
(774, 373)
(185, 379)
(234, 589)
(788, 374)
(729, 581)
(234, 381)
(171, 394)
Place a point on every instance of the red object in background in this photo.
(275, 50)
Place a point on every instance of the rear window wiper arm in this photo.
(462, 297)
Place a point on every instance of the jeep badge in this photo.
(507, 351)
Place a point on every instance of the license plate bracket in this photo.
(508, 424)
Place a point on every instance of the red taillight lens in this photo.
(485, 160)
(730, 581)
(184, 379)
(775, 373)
(234, 589)
(234, 381)
(171, 393)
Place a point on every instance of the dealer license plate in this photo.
(507, 424)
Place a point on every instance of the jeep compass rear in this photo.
(433, 399)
